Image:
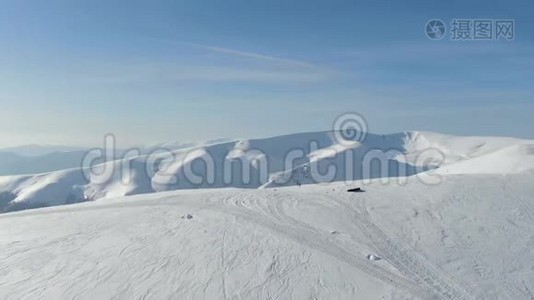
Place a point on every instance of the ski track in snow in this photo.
(405, 259)
(293, 243)
(242, 207)
(307, 236)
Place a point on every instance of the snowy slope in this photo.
(33, 159)
(266, 158)
(512, 159)
(470, 237)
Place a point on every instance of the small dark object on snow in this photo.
(373, 257)
(356, 190)
(188, 216)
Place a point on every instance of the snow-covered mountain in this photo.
(34, 159)
(468, 237)
(15, 164)
(294, 159)
(33, 150)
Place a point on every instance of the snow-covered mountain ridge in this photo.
(294, 159)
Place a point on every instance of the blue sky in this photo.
(150, 71)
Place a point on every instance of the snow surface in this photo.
(446, 154)
(470, 237)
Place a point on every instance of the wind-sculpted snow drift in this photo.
(278, 161)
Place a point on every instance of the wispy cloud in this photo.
(243, 67)
(174, 73)
(252, 55)
(249, 55)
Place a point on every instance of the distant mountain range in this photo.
(59, 177)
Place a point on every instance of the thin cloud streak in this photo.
(257, 56)
(160, 72)
(245, 54)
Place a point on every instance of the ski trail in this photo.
(223, 267)
(249, 209)
(404, 258)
